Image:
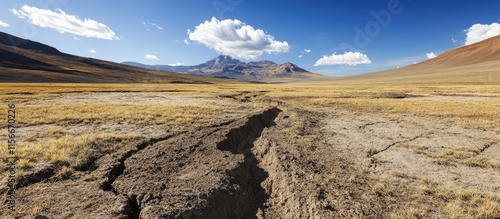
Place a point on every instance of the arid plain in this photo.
(303, 150)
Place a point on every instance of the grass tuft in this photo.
(477, 161)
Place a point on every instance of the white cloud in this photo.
(157, 26)
(300, 56)
(454, 40)
(235, 38)
(65, 23)
(430, 55)
(151, 57)
(186, 42)
(348, 58)
(3, 24)
(92, 51)
(307, 50)
(480, 32)
(148, 24)
(176, 64)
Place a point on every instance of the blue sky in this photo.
(330, 37)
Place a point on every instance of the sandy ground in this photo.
(382, 147)
(127, 98)
(461, 97)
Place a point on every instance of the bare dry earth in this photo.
(386, 148)
(269, 159)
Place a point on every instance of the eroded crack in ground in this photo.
(266, 165)
(372, 152)
(215, 177)
(271, 164)
(369, 124)
(485, 147)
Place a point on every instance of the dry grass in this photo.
(385, 100)
(399, 174)
(65, 172)
(426, 200)
(65, 152)
(96, 113)
(442, 161)
(73, 114)
(432, 200)
(495, 163)
(471, 115)
(476, 161)
(453, 156)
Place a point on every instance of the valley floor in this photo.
(254, 151)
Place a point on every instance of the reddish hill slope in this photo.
(475, 63)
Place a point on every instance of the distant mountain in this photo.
(27, 61)
(23, 60)
(475, 63)
(228, 67)
(178, 69)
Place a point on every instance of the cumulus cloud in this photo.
(454, 40)
(307, 50)
(186, 42)
(348, 58)
(430, 55)
(65, 23)
(3, 24)
(480, 32)
(236, 39)
(151, 57)
(92, 51)
(177, 64)
(300, 56)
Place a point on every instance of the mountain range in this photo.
(23, 60)
(27, 61)
(227, 67)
